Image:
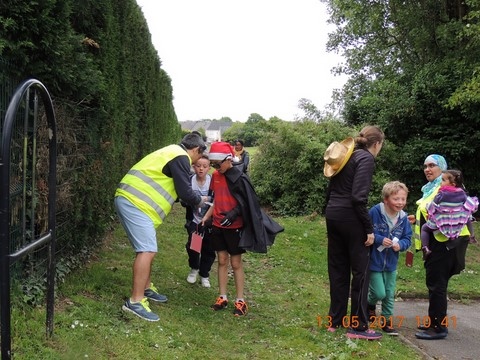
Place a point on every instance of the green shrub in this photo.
(288, 167)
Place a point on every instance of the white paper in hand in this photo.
(381, 247)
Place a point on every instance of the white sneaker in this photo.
(205, 282)
(192, 277)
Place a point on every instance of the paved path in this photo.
(463, 340)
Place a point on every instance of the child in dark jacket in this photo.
(393, 234)
(238, 223)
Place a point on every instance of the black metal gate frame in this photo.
(35, 88)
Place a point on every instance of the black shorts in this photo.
(226, 240)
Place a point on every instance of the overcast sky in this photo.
(236, 57)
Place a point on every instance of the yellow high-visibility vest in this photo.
(148, 188)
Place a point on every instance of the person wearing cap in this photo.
(238, 223)
(350, 165)
(143, 199)
(242, 155)
(447, 257)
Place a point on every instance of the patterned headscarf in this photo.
(429, 187)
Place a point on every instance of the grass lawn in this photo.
(286, 289)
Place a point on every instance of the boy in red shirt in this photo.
(239, 224)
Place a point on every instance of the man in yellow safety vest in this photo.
(143, 199)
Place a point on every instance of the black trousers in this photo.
(446, 260)
(203, 261)
(348, 258)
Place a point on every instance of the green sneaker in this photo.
(141, 309)
(152, 294)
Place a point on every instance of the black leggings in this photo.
(440, 266)
(348, 257)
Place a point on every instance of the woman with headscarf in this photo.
(447, 257)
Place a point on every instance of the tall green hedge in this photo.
(112, 96)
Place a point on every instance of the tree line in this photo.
(413, 70)
(412, 67)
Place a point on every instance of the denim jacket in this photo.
(387, 259)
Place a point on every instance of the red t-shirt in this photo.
(223, 201)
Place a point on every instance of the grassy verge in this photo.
(286, 290)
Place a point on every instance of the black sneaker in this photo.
(241, 308)
(424, 328)
(431, 334)
(390, 330)
(220, 304)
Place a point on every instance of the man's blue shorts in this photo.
(139, 227)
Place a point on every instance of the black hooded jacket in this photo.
(259, 230)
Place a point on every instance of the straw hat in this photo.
(337, 155)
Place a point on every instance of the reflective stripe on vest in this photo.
(148, 188)
(153, 184)
(145, 198)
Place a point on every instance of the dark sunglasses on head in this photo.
(216, 165)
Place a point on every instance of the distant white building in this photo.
(213, 129)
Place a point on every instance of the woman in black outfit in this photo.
(447, 257)
(349, 229)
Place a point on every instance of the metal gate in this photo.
(27, 193)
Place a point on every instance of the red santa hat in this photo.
(220, 151)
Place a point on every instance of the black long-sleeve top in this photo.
(179, 169)
(348, 191)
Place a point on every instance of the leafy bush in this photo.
(288, 166)
(287, 169)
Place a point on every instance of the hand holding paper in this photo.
(394, 241)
